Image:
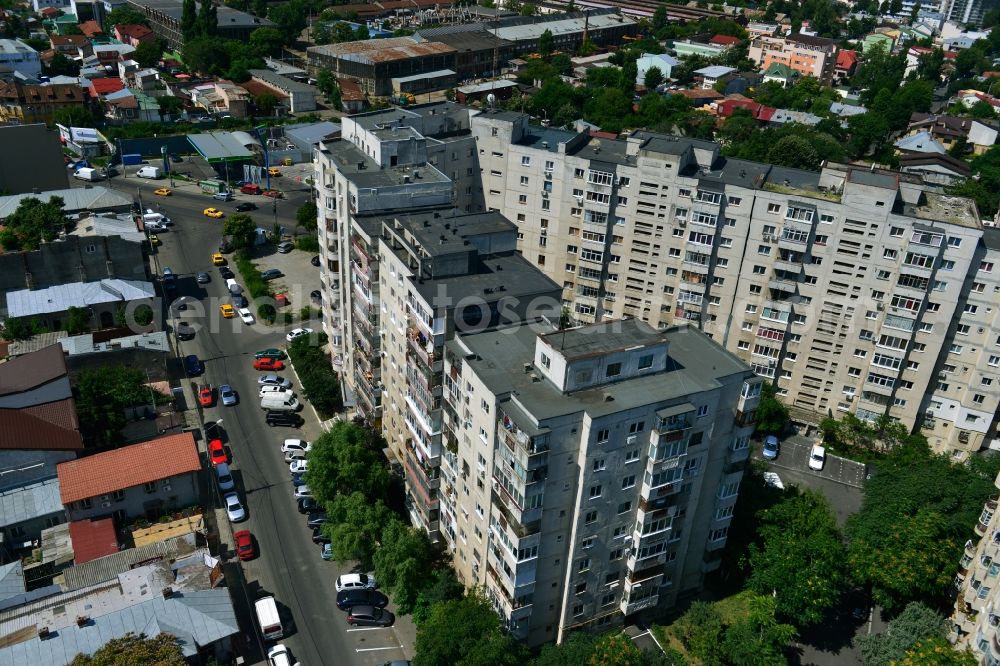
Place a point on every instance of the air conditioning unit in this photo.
(631, 439)
(545, 194)
(105, 505)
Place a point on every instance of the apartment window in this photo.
(522, 198)
(614, 369)
(625, 507)
(581, 588)
(628, 481)
(577, 610)
(595, 491)
(773, 208)
(954, 241)
(631, 456)
(889, 254)
(599, 465)
(735, 201)
(703, 411)
(719, 534)
(578, 173)
(149, 487)
(979, 398)
(986, 266)
(763, 249)
(583, 565)
(546, 361)
(616, 554)
(971, 309)
(645, 361)
(759, 270)
(525, 160)
(588, 542)
(994, 361)
(896, 232)
(603, 435)
(493, 131)
(591, 517)
(524, 180)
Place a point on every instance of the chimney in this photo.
(167, 592)
(43, 633)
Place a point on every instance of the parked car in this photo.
(224, 476)
(302, 491)
(306, 504)
(244, 206)
(316, 295)
(279, 656)
(244, 545)
(246, 316)
(364, 597)
(317, 519)
(318, 536)
(287, 419)
(285, 247)
(326, 551)
(184, 331)
(298, 466)
(271, 274)
(204, 278)
(296, 446)
(355, 581)
(274, 194)
(817, 456)
(369, 616)
(250, 188)
(227, 310)
(315, 260)
(205, 397)
(770, 450)
(234, 509)
(271, 352)
(227, 395)
(223, 196)
(297, 333)
(226, 273)
(268, 364)
(272, 388)
(192, 365)
(218, 259)
(217, 452)
(274, 380)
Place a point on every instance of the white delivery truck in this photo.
(154, 222)
(279, 402)
(268, 618)
(149, 172)
(88, 174)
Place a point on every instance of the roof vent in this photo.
(545, 144)
(167, 592)
(82, 620)
(535, 378)
(43, 633)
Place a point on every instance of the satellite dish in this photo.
(491, 99)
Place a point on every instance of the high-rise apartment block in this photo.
(590, 473)
(853, 289)
(976, 617)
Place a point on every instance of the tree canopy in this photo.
(103, 393)
(32, 223)
(135, 650)
(917, 622)
(242, 231)
(466, 632)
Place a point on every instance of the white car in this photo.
(773, 480)
(296, 446)
(271, 388)
(355, 581)
(298, 466)
(234, 509)
(296, 333)
(274, 380)
(817, 456)
(279, 656)
(245, 315)
(302, 492)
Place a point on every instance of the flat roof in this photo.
(487, 87)
(283, 82)
(533, 31)
(371, 51)
(444, 232)
(695, 363)
(59, 298)
(227, 16)
(28, 502)
(219, 147)
(603, 338)
(498, 277)
(347, 157)
(96, 198)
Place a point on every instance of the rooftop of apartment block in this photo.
(442, 232)
(603, 338)
(365, 172)
(497, 277)
(991, 238)
(695, 364)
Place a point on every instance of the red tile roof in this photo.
(91, 28)
(68, 40)
(49, 427)
(127, 467)
(50, 11)
(30, 370)
(92, 539)
(134, 30)
(847, 59)
(106, 85)
(724, 40)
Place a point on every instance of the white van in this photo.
(279, 402)
(268, 618)
(149, 172)
(88, 174)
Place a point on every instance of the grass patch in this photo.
(307, 244)
(320, 384)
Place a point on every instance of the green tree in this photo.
(982, 109)
(466, 631)
(801, 559)
(189, 21)
(266, 42)
(305, 216)
(915, 623)
(660, 18)
(346, 459)
(102, 394)
(75, 116)
(652, 78)
(125, 15)
(772, 415)
(242, 231)
(148, 54)
(206, 55)
(794, 151)
(546, 44)
(265, 104)
(169, 105)
(402, 562)
(135, 650)
(20, 328)
(356, 523)
(259, 7)
(208, 18)
(60, 65)
(443, 586)
(937, 652)
(32, 223)
(573, 651)
(77, 320)
(290, 18)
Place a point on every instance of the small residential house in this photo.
(37, 410)
(919, 142)
(133, 34)
(352, 97)
(49, 305)
(662, 61)
(846, 65)
(781, 74)
(141, 480)
(979, 134)
(712, 74)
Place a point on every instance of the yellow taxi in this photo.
(162, 192)
(218, 260)
(227, 310)
(212, 212)
(274, 171)
(155, 240)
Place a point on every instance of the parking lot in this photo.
(300, 277)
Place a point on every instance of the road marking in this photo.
(368, 629)
(391, 647)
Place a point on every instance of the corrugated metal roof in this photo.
(219, 147)
(107, 568)
(534, 31)
(28, 502)
(437, 74)
(84, 344)
(31, 370)
(11, 580)
(97, 198)
(59, 298)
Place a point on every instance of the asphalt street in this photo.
(289, 565)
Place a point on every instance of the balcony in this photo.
(783, 285)
(359, 252)
(629, 607)
(508, 519)
(517, 439)
(423, 347)
(789, 267)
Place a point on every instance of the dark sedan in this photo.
(369, 616)
(192, 365)
(245, 206)
(361, 597)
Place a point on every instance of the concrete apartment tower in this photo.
(590, 473)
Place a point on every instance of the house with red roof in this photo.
(724, 41)
(37, 410)
(133, 34)
(847, 63)
(93, 539)
(105, 86)
(141, 480)
(72, 46)
(91, 29)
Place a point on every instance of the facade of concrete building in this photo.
(444, 272)
(807, 55)
(30, 103)
(845, 287)
(39, 166)
(590, 473)
(393, 160)
(165, 20)
(20, 57)
(976, 617)
(374, 63)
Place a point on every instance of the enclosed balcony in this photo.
(423, 347)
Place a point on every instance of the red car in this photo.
(250, 188)
(268, 364)
(244, 545)
(217, 452)
(205, 395)
(274, 194)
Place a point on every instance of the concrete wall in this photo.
(34, 160)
